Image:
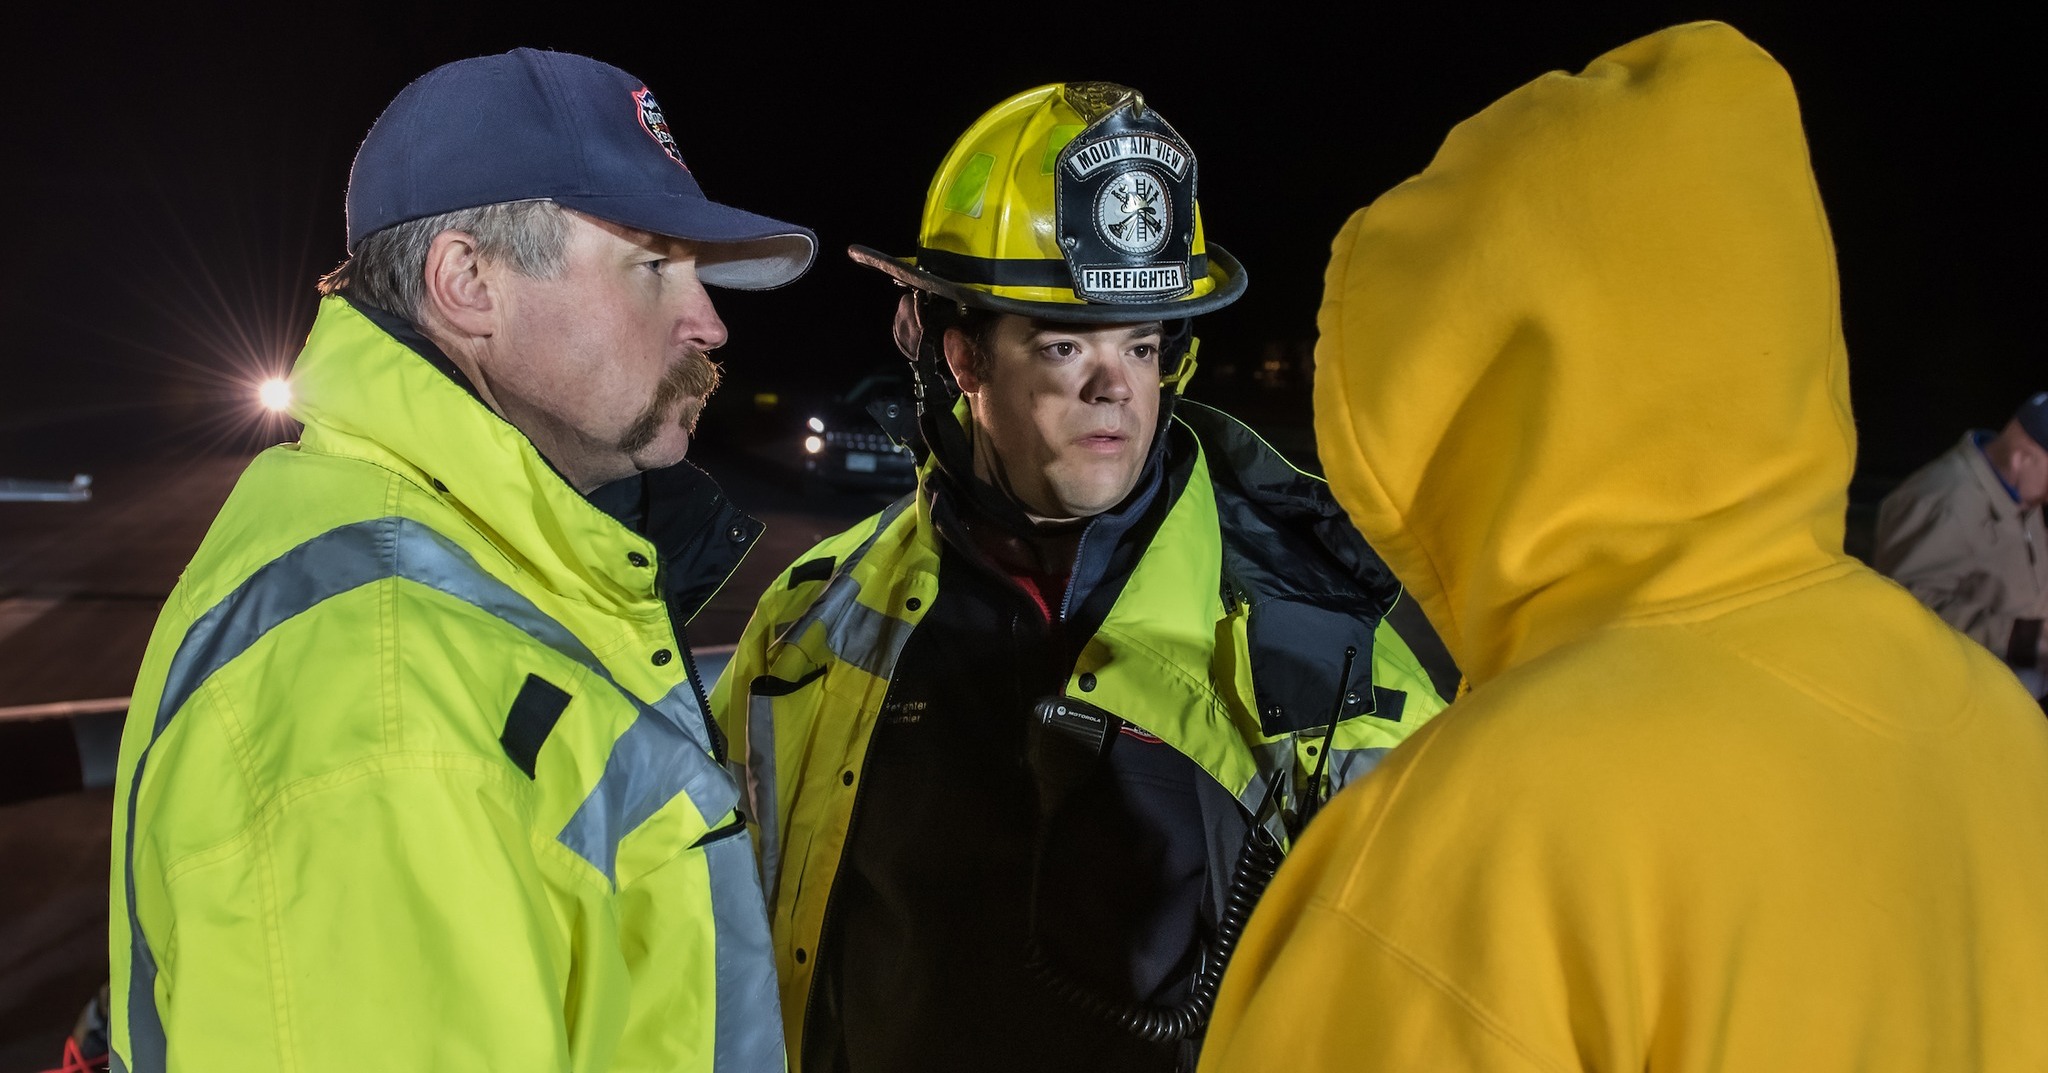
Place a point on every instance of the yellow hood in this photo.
(1588, 365)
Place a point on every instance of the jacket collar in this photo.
(370, 386)
(1988, 475)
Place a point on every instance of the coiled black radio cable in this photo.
(1256, 863)
(1090, 729)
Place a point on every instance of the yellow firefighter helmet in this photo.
(1073, 201)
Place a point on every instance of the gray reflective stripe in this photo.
(653, 761)
(643, 772)
(1274, 761)
(344, 559)
(761, 787)
(858, 634)
(749, 1011)
(855, 633)
(145, 1028)
(1350, 765)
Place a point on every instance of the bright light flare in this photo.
(275, 394)
(816, 424)
(814, 444)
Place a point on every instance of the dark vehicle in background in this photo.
(844, 444)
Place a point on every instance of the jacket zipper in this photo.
(712, 733)
(1074, 572)
(714, 736)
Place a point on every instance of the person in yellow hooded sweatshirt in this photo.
(1718, 797)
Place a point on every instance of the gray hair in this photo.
(388, 270)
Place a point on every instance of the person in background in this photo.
(1963, 534)
(1024, 745)
(1719, 797)
(418, 775)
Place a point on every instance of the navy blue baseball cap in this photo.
(2033, 417)
(531, 124)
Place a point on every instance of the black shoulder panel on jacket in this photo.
(535, 710)
(1388, 704)
(767, 685)
(818, 569)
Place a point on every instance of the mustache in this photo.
(691, 381)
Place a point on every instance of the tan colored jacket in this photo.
(1953, 535)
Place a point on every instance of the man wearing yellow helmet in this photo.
(1024, 747)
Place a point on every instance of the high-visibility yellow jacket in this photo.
(416, 775)
(1175, 657)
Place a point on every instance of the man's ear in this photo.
(960, 359)
(458, 289)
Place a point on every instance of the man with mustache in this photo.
(418, 772)
(1024, 746)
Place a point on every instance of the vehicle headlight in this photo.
(275, 394)
(814, 444)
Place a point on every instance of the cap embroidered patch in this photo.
(657, 127)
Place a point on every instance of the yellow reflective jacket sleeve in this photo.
(400, 910)
(335, 983)
(406, 907)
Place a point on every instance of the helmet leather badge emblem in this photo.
(1131, 212)
(657, 127)
(1126, 195)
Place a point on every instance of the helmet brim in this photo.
(1228, 275)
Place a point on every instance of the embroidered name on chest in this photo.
(896, 712)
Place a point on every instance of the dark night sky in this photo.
(177, 183)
